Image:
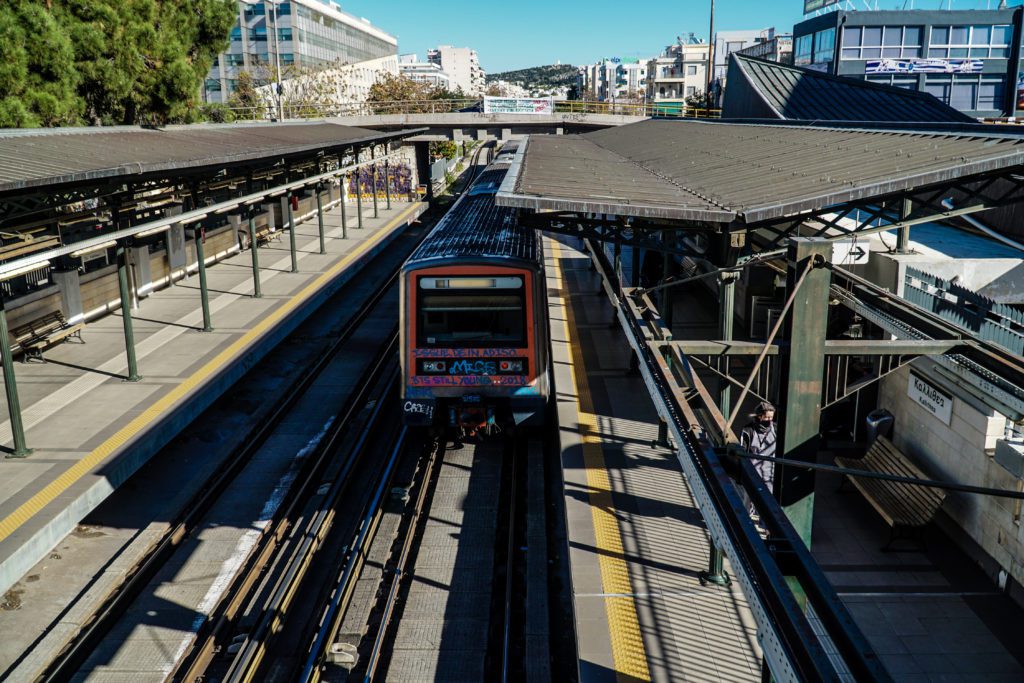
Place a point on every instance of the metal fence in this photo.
(998, 323)
(323, 110)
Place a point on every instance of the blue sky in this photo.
(511, 34)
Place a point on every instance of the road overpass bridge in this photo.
(459, 126)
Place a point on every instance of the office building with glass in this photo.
(297, 34)
(969, 59)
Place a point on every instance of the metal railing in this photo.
(998, 323)
(268, 111)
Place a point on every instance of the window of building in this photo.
(287, 58)
(691, 70)
(236, 33)
(284, 34)
(258, 33)
(256, 10)
(691, 90)
(895, 80)
(876, 42)
(235, 59)
(212, 85)
(967, 92)
(976, 42)
(802, 50)
(824, 46)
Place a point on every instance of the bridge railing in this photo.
(271, 111)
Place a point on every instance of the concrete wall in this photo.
(961, 452)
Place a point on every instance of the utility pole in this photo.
(277, 64)
(711, 54)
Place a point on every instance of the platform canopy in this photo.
(688, 171)
(760, 89)
(51, 157)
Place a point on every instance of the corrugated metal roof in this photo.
(720, 171)
(792, 92)
(54, 156)
(476, 228)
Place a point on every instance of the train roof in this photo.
(475, 228)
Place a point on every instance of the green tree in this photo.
(65, 62)
(36, 86)
(398, 88)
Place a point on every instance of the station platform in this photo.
(637, 542)
(90, 430)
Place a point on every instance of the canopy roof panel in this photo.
(763, 89)
(57, 156)
(749, 172)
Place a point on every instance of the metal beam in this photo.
(204, 292)
(833, 347)
(803, 368)
(256, 293)
(318, 189)
(126, 312)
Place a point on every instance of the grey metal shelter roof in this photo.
(763, 89)
(721, 171)
(56, 156)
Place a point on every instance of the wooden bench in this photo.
(35, 336)
(906, 508)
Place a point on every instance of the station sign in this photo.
(815, 5)
(936, 402)
(544, 106)
(924, 66)
(850, 252)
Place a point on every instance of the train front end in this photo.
(474, 346)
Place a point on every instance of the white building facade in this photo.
(298, 35)
(432, 74)
(462, 66)
(615, 80)
(680, 71)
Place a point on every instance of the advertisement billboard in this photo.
(815, 5)
(923, 66)
(519, 105)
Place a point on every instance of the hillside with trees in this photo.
(547, 77)
(78, 62)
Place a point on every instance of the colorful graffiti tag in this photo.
(398, 176)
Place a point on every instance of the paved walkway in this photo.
(90, 429)
(636, 539)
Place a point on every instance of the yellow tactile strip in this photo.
(628, 651)
(168, 401)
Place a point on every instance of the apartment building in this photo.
(462, 66)
(679, 72)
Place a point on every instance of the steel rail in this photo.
(246, 665)
(195, 509)
(510, 559)
(343, 588)
(430, 472)
(201, 656)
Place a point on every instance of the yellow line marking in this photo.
(628, 652)
(31, 507)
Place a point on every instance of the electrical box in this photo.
(1010, 456)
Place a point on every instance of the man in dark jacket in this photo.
(759, 438)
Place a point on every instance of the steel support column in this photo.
(341, 200)
(320, 217)
(716, 574)
(373, 179)
(291, 234)
(126, 311)
(387, 183)
(359, 198)
(903, 236)
(11, 389)
(204, 292)
(256, 293)
(666, 294)
(803, 367)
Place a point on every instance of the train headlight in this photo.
(434, 366)
(510, 366)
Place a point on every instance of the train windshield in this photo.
(471, 318)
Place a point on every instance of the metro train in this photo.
(474, 331)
